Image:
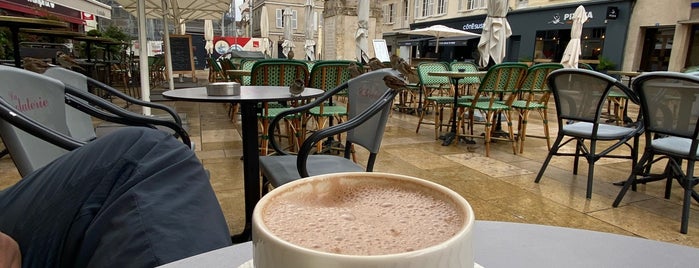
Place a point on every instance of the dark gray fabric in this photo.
(134, 198)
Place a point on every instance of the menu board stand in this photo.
(181, 52)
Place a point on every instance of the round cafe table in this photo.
(15, 23)
(507, 244)
(248, 99)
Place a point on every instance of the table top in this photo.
(13, 21)
(247, 94)
(52, 32)
(506, 244)
(456, 74)
(625, 73)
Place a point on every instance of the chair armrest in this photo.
(90, 103)
(275, 121)
(129, 99)
(368, 113)
(21, 121)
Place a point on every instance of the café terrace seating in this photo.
(670, 110)
(369, 105)
(580, 96)
(33, 109)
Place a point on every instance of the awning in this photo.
(453, 41)
(414, 41)
(65, 13)
(88, 6)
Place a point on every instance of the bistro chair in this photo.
(274, 72)
(81, 125)
(467, 82)
(369, 103)
(436, 91)
(493, 99)
(580, 96)
(533, 95)
(670, 110)
(33, 105)
(327, 75)
(216, 73)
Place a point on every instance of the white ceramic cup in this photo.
(270, 251)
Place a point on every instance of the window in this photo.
(441, 7)
(389, 13)
(406, 11)
(473, 4)
(279, 15)
(550, 45)
(424, 8)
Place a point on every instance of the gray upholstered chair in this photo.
(670, 109)
(34, 111)
(369, 103)
(580, 96)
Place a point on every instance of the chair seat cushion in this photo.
(605, 132)
(329, 110)
(280, 169)
(675, 145)
(522, 104)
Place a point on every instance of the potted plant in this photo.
(605, 64)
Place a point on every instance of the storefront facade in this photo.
(541, 34)
(75, 12)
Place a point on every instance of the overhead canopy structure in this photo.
(440, 31)
(185, 10)
(178, 11)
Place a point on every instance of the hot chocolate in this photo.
(364, 217)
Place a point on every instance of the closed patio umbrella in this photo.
(441, 31)
(571, 55)
(309, 31)
(288, 44)
(209, 36)
(496, 30)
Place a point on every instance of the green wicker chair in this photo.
(499, 83)
(436, 90)
(327, 75)
(215, 71)
(467, 82)
(275, 72)
(533, 95)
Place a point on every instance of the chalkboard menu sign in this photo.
(181, 51)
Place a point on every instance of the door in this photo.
(657, 46)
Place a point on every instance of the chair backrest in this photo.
(80, 124)
(533, 86)
(275, 72)
(670, 104)
(581, 94)
(582, 65)
(423, 70)
(41, 98)
(246, 64)
(467, 67)
(364, 91)
(501, 81)
(329, 74)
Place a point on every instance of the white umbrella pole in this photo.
(168, 53)
(143, 55)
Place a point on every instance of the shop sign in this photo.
(472, 26)
(567, 18)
